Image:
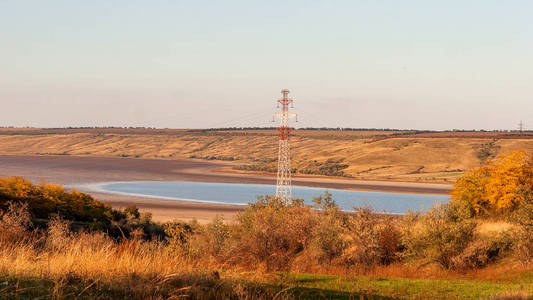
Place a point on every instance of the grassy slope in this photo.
(413, 288)
(306, 286)
(369, 155)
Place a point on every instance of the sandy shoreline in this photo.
(168, 210)
(72, 170)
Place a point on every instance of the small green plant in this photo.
(215, 235)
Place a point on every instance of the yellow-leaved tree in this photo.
(470, 191)
(502, 185)
(511, 178)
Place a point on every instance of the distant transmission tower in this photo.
(521, 126)
(283, 186)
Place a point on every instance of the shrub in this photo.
(330, 167)
(523, 246)
(329, 232)
(511, 178)
(45, 200)
(500, 187)
(145, 218)
(216, 234)
(178, 235)
(58, 232)
(523, 215)
(326, 203)
(14, 223)
(373, 239)
(272, 232)
(433, 238)
(457, 211)
(389, 242)
(474, 255)
(209, 241)
(487, 151)
(468, 193)
(480, 252)
(132, 211)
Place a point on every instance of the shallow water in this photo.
(241, 194)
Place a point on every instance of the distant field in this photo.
(361, 154)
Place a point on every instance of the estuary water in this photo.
(242, 194)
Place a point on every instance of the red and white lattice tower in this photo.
(283, 186)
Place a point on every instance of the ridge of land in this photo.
(386, 155)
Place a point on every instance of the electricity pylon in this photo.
(283, 185)
(521, 126)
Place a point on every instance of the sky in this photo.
(433, 65)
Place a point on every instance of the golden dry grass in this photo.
(94, 257)
(92, 265)
(488, 228)
(219, 261)
(131, 269)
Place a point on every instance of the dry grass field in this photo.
(377, 155)
(320, 253)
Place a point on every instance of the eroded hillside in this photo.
(384, 155)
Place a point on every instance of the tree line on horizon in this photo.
(269, 128)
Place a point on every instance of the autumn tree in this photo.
(46, 200)
(469, 192)
(501, 186)
(510, 181)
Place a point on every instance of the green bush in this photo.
(212, 239)
(329, 232)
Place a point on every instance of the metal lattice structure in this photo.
(521, 126)
(283, 186)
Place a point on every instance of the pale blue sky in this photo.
(182, 64)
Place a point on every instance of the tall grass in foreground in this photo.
(221, 261)
(79, 264)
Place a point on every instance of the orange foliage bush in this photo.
(501, 186)
(44, 200)
(510, 177)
